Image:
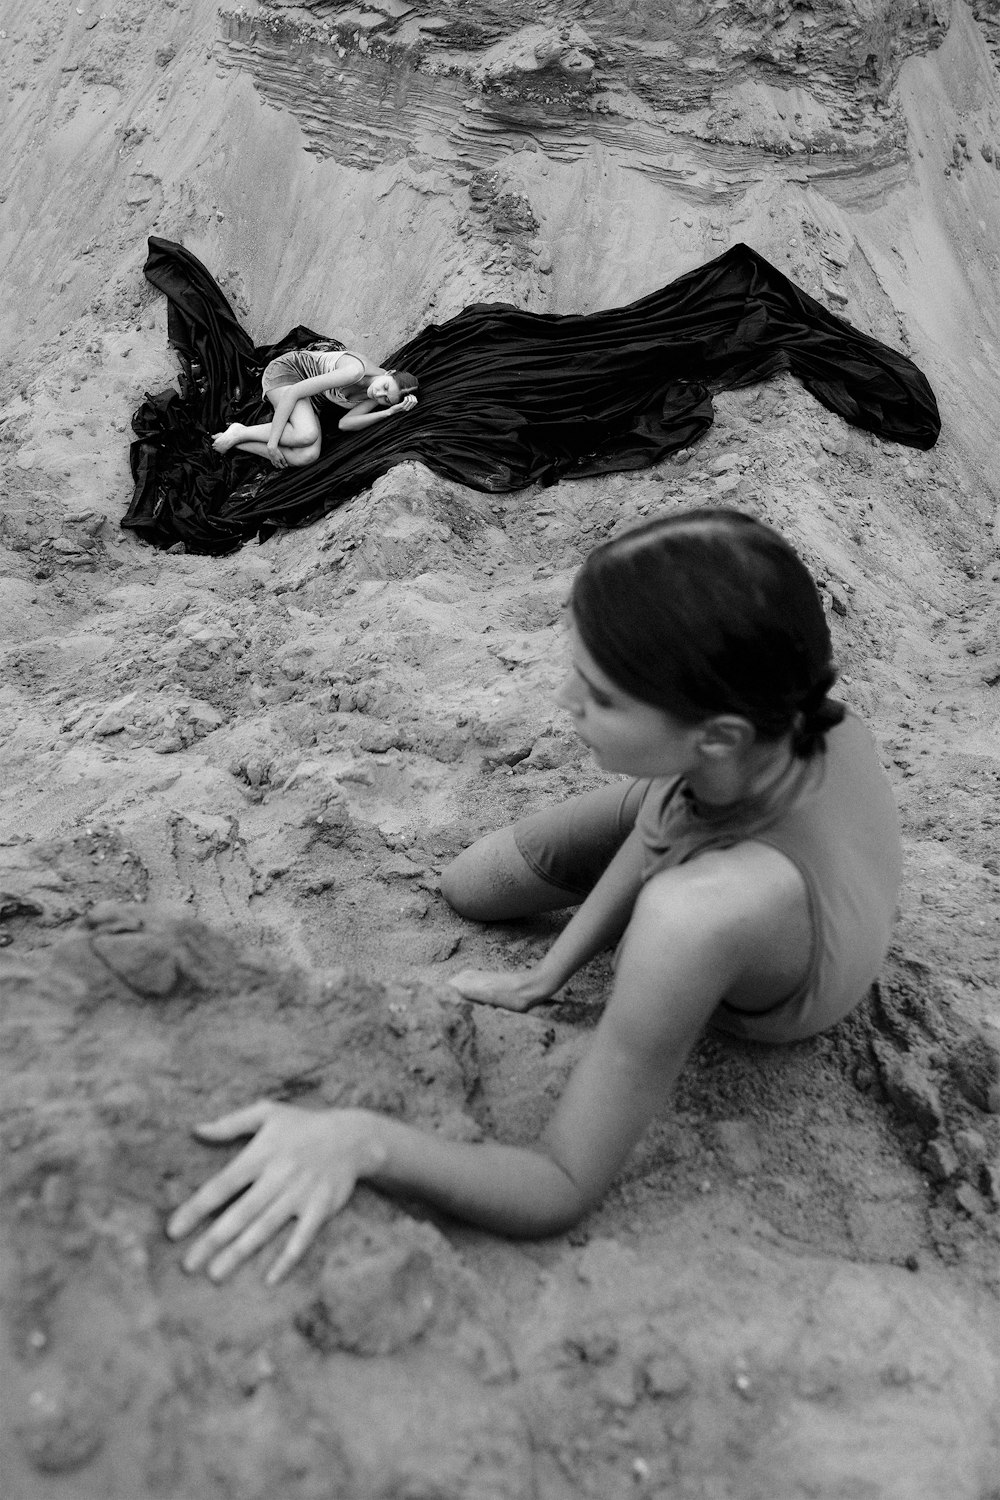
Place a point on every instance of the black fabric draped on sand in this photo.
(507, 398)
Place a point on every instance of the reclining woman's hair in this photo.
(408, 384)
(712, 612)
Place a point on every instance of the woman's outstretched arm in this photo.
(678, 959)
(673, 971)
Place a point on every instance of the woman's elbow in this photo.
(559, 1221)
(564, 1204)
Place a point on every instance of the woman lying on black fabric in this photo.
(508, 397)
(295, 381)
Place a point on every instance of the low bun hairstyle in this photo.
(408, 384)
(708, 612)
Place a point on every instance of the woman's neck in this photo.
(750, 775)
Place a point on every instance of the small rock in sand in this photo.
(147, 964)
(115, 717)
(737, 1142)
(971, 1148)
(668, 1375)
(910, 1090)
(940, 1160)
(975, 1067)
(62, 1427)
(551, 751)
(377, 1305)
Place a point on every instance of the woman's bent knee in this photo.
(491, 881)
(297, 458)
(451, 887)
(466, 883)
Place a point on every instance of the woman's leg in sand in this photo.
(544, 862)
(491, 881)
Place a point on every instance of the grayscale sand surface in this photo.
(229, 785)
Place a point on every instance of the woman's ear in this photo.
(725, 735)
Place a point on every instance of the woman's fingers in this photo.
(486, 987)
(213, 1194)
(300, 1165)
(301, 1237)
(501, 1002)
(468, 982)
(264, 1226)
(257, 1198)
(246, 1121)
(310, 1202)
(478, 984)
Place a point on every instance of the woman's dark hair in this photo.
(707, 612)
(408, 384)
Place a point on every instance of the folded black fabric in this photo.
(507, 398)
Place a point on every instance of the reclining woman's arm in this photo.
(366, 412)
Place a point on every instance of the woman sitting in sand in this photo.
(294, 381)
(747, 871)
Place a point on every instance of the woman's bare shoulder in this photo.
(745, 883)
(744, 913)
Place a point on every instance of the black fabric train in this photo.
(507, 398)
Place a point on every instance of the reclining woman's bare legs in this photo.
(299, 444)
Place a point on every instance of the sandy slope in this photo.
(793, 1290)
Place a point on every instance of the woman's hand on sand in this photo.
(301, 1165)
(511, 989)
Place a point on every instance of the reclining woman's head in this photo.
(408, 384)
(390, 387)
